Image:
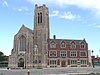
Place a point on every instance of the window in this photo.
(39, 61)
(83, 53)
(52, 45)
(53, 53)
(73, 46)
(63, 45)
(63, 53)
(53, 62)
(82, 46)
(73, 53)
(22, 43)
(40, 17)
(83, 61)
(73, 61)
(35, 61)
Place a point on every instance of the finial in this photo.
(36, 5)
(44, 5)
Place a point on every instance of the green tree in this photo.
(1, 56)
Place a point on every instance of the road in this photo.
(51, 71)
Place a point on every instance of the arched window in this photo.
(40, 17)
(22, 43)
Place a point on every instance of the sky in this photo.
(69, 19)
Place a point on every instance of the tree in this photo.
(2, 58)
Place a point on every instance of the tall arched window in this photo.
(22, 43)
(40, 17)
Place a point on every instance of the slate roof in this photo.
(31, 31)
(68, 41)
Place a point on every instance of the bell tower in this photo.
(41, 32)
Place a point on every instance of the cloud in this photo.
(66, 15)
(54, 13)
(69, 16)
(94, 25)
(4, 3)
(21, 9)
(42, 1)
(93, 5)
(98, 26)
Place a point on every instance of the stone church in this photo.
(34, 48)
(30, 46)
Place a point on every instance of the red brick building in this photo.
(67, 53)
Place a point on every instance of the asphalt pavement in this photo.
(51, 71)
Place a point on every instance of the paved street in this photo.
(51, 71)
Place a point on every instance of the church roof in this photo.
(24, 27)
(30, 30)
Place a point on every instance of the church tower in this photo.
(41, 32)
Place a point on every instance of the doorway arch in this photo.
(21, 62)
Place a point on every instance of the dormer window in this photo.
(63, 45)
(52, 45)
(82, 46)
(73, 46)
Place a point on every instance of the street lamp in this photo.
(92, 59)
(99, 50)
(92, 52)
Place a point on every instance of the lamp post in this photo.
(92, 52)
(92, 59)
(99, 50)
(25, 58)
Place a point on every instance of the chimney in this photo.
(54, 36)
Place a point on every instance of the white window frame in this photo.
(62, 45)
(73, 53)
(73, 62)
(73, 46)
(52, 52)
(62, 53)
(53, 62)
(85, 53)
(82, 46)
(83, 62)
(52, 45)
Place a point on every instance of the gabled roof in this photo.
(24, 27)
(31, 31)
(68, 41)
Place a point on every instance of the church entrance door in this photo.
(21, 62)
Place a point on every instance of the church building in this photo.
(34, 48)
